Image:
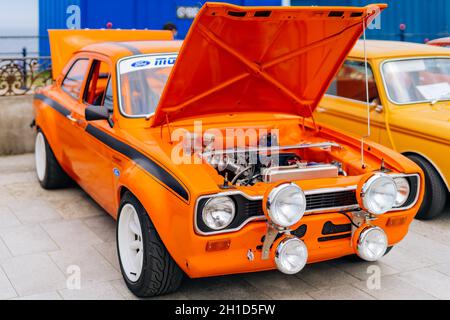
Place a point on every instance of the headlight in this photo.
(218, 212)
(372, 244)
(403, 191)
(286, 205)
(378, 194)
(291, 255)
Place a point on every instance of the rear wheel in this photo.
(435, 191)
(146, 265)
(49, 173)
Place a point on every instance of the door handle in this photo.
(321, 109)
(71, 118)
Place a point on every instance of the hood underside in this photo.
(265, 59)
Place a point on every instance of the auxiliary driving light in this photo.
(372, 244)
(286, 205)
(291, 255)
(378, 194)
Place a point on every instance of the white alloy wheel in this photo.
(40, 156)
(131, 247)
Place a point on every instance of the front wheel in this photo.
(146, 265)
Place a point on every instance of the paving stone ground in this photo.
(44, 234)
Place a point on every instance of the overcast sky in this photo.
(19, 17)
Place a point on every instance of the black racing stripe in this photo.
(128, 46)
(146, 163)
(52, 103)
(149, 165)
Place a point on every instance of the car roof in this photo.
(394, 49)
(119, 49)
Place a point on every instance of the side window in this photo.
(97, 82)
(350, 82)
(73, 81)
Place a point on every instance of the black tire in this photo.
(356, 258)
(160, 274)
(435, 191)
(53, 176)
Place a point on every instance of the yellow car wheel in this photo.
(435, 191)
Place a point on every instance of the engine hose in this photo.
(239, 174)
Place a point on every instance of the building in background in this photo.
(420, 20)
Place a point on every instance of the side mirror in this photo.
(375, 105)
(92, 113)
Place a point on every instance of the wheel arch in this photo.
(430, 162)
(160, 222)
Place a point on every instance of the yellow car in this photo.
(409, 96)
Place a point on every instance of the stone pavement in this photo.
(43, 234)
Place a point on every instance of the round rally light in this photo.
(218, 212)
(291, 255)
(372, 244)
(403, 191)
(378, 194)
(286, 205)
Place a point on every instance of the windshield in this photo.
(142, 81)
(417, 80)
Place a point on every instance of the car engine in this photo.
(269, 163)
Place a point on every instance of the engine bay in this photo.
(269, 162)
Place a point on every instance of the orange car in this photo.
(206, 152)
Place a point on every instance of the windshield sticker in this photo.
(434, 91)
(147, 62)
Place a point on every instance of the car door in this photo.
(69, 128)
(91, 159)
(344, 105)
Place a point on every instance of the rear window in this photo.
(141, 82)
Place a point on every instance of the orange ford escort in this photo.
(206, 152)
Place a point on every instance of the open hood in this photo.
(265, 59)
(63, 43)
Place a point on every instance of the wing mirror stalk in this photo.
(92, 113)
(375, 105)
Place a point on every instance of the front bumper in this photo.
(326, 235)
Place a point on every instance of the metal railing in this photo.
(20, 76)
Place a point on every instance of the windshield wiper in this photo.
(440, 98)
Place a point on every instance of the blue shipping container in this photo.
(124, 14)
(423, 19)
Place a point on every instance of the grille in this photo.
(319, 201)
(330, 200)
(253, 208)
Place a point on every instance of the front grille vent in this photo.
(321, 201)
